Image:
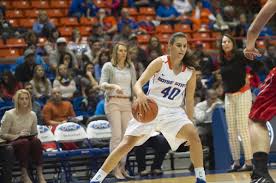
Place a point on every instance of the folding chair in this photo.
(77, 160)
(54, 161)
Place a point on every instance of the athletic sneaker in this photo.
(200, 181)
(255, 178)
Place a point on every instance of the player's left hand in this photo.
(251, 54)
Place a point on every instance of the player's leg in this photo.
(189, 133)
(260, 146)
(115, 156)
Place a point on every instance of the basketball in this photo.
(145, 116)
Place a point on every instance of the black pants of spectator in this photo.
(26, 149)
(206, 136)
(6, 161)
(160, 146)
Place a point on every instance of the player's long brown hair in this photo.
(189, 59)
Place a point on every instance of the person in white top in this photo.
(172, 83)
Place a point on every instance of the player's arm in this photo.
(152, 68)
(255, 28)
(189, 99)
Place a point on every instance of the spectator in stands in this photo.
(77, 45)
(206, 64)
(7, 161)
(54, 57)
(160, 146)
(100, 108)
(203, 119)
(241, 29)
(6, 29)
(98, 33)
(183, 7)
(154, 44)
(91, 99)
(228, 19)
(133, 55)
(67, 60)
(36, 106)
(200, 91)
(218, 87)
(87, 79)
(133, 42)
(65, 82)
(123, 35)
(8, 85)
(166, 13)
(41, 84)
(153, 54)
(238, 100)
(25, 71)
(202, 16)
(118, 78)
(143, 3)
(126, 19)
(18, 127)
(95, 47)
(57, 111)
(80, 8)
(108, 23)
(50, 45)
(104, 57)
(115, 6)
(42, 27)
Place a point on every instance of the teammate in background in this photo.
(264, 108)
(172, 82)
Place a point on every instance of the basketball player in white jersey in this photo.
(258, 129)
(172, 83)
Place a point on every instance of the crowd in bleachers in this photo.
(64, 44)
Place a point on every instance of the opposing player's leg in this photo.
(189, 133)
(261, 147)
(115, 156)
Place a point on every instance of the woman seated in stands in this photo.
(41, 84)
(87, 79)
(65, 82)
(8, 85)
(104, 56)
(19, 126)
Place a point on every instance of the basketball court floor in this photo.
(211, 178)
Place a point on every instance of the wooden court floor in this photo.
(211, 178)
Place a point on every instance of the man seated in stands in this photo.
(55, 112)
(160, 146)
(203, 118)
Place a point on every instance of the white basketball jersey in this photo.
(167, 88)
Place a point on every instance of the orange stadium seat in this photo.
(55, 13)
(9, 53)
(88, 21)
(27, 22)
(21, 5)
(65, 31)
(54, 21)
(201, 35)
(6, 4)
(148, 18)
(260, 44)
(164, 29)
(31, 13)
(16, 42)
(14, 22)
(85, 30)
(40, 4)
(132, 11)
(216, 35)
(100, 3)
(14, 14)
(143, 38)
(2, 45)
(164, 38)
(182, 28)
(69, 21)
(58, 4)
(147, 11)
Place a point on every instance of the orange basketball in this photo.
(145, 116)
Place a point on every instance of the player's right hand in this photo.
(251, 54)
(142, 102)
